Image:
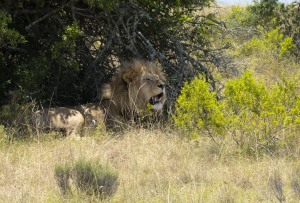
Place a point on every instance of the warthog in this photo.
(93, 114)
(60, 118)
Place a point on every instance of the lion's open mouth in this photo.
(156, 99)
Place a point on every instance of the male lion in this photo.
(60, 118)
(137, 85)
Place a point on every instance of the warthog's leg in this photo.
(71, 132)
(74, 132)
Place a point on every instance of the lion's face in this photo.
(136, 85)
(148, 87)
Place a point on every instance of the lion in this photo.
(60, 118)
(137, 86)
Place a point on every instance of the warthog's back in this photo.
(63, 117)
(58, 118)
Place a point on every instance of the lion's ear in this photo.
(127, 77)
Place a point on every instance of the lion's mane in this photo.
(136, 85)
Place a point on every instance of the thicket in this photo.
(259, 116)
(269, 24)
(61, 52)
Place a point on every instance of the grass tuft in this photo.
(276, 186)
(295, 182)
(63, 175)
(90, 177)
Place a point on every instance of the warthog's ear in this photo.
(129, 76)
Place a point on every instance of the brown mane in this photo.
(124, 93)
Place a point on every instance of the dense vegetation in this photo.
(258, 109)
(233, 98)
(61, 52)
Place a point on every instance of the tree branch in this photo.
(28, 27)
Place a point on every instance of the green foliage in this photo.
(68, 42)
(245, 93)
(32, 75)
(286, 46)
(271, 41)
(239, 15)
(72, 48)
(264, 13)
(259, 115)
(8, 36)
(290, 24)
(257, 118)
(89, 177)
(270, 16)
(103, 4)
(197, 109)
(64, 51)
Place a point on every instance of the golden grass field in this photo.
(153, 166)
(158, 165)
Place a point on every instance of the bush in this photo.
(239, 16)
(271, 41)
(89, 177)
(261, 118)
(273, 19)
(257, 118)
(197, 109)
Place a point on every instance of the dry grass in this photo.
(152, 167)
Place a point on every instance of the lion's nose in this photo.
(162, 86)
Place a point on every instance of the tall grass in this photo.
(152, 166)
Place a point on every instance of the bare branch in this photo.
(28, 27)
(12, 48)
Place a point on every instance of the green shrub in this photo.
(257, 118)
(89, 177)
(197, 109)
(258, 115)
(272, 41)
(245, 93)
(269, 16)
(260, 13)
(286, 46)
(7, 35)
(239, 15)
